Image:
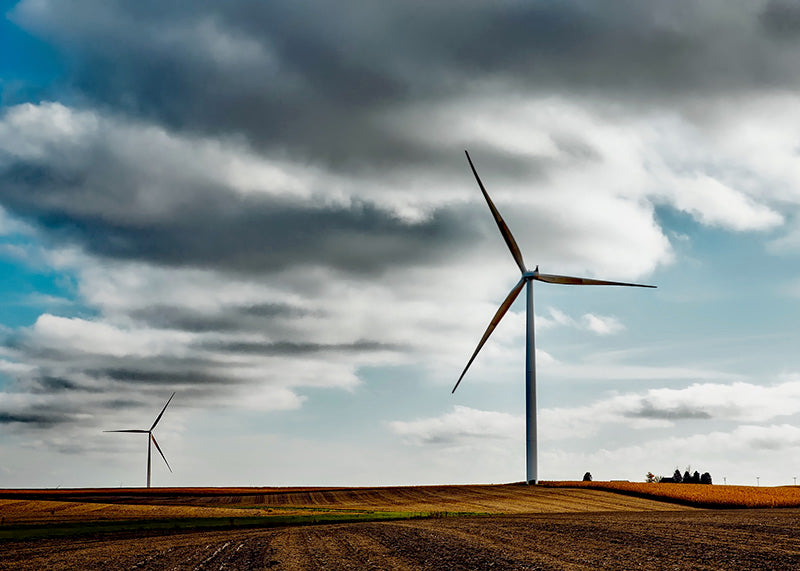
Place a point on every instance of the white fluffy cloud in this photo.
(602, 324)
(655, 408)
(735, 456)
(86, 336)
(463, 426)
(715, 204)
(663, 408)
(599, 324)
(734, 169)
(750, 445)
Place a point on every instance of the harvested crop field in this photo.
(38, 511)
(505, 499)
(494, 499)
(699, 495)
(564, 526)
(687, 539)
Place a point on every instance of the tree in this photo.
(705, 478)
(696, 477)
(687, 477)
(676, 477)
(587, 477)
(650, 478)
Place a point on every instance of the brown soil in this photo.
(687, 539)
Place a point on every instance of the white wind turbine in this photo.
(150, 439)
(527, 279)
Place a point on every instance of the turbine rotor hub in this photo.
(530, 275)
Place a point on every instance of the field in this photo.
(699, 495)
(563, 526)
(70, 506)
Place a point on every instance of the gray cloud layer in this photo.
(315, 80)
(130, 169)
(317, 84)
(215, 228)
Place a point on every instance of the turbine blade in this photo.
(501, 224)
(138, 431)
(569, 280)
(512, 295)
(162, 412)
(153, 438)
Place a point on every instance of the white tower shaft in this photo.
(531, 451)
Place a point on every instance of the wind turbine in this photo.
(527, 279)
(150, 439)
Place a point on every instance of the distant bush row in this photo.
(677, 478)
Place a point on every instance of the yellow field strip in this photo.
(711, 496)
(40, 511)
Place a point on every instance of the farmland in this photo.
(62, 506)
(564, 526)
(699, 495)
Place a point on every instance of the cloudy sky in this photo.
(265, 208)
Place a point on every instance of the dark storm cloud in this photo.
(289, 348)
(95, 205)
(231, 319)
(90, 373)
(62, 370)
(261, 237)
(54, 415)
(49, 384)
(681, 412)
(316, 79)
(782, 19)
(87, 385)
(316, 83)
(36, 418)
(163, 376)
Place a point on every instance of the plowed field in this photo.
(38, 511)
(505, 499)
(689, 539)
(527, 527)
(496, 499)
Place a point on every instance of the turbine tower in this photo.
(150, 439)
(527, 279)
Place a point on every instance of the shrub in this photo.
(587, 477)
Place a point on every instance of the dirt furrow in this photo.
(695, 539)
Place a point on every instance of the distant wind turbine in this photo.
(527, 279)
(150, 439)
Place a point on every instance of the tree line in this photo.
(677, 478)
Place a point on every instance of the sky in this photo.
(265, 208)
